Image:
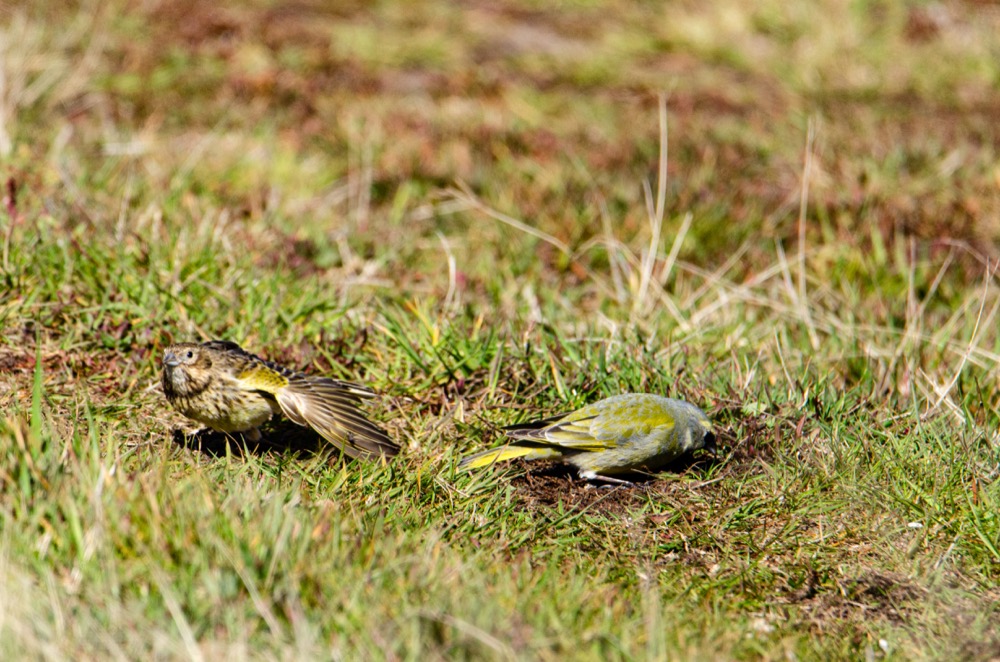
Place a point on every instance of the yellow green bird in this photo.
(620, 434)
(228, 389)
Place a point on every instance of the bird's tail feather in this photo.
(510, 452)
(331, 408)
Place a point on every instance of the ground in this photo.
(787, 213)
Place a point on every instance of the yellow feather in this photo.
(503, 453)
(259, 377)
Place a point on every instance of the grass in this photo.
(486, 214)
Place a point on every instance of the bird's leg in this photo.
(253, 434)
(593, 477)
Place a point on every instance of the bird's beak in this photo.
(170, 360)
(710, 446)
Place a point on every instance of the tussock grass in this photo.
(491, 215)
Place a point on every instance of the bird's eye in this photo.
(190, 354)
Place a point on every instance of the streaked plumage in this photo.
(620, 434)
(228, 389)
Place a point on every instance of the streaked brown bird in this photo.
(228, 389)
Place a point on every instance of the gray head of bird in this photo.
(699, 431)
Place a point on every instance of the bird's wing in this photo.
(330, 407)
(248, 362)
(571, 431)
(631, 418)
(257, 376)
(598, 426)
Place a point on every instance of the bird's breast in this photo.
(224, 409)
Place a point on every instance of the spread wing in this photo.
(331, 408)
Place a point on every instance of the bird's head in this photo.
(702, 433)
(710, 442)
(186, 369)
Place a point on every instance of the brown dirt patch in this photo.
(869, 595)
(558, 485)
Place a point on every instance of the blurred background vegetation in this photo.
(786, 212)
